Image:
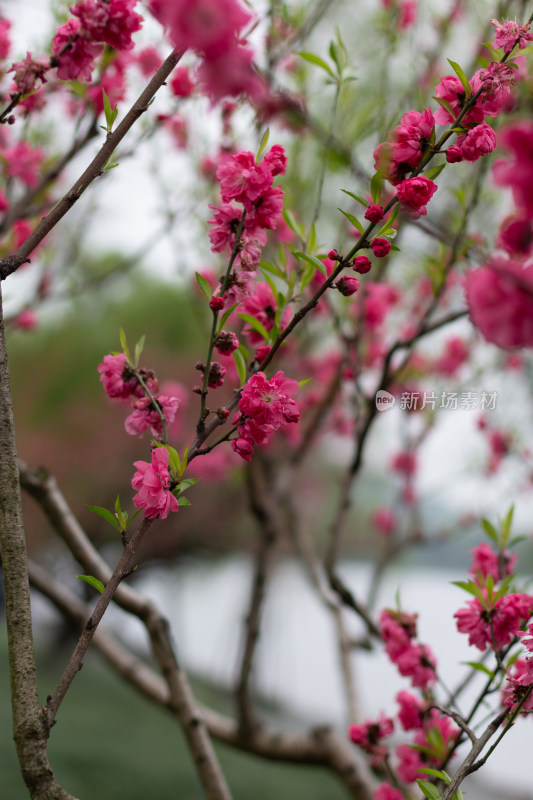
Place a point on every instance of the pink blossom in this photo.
(23, 161)
(504, 617)
(511, 33)
(216, 375)
(109, 21)
(181, 84)
(27, 73)
(152, 481)
(411, 713)
(500, 302)
(26, 319)
(516, 236)
(269, 402)
(479, 141)
(267, 210)
(387, 792)
(367, 736)
(408, 14)
(116, 377)
(20, 231)
(384, 520)
(496, 82)
(433, 744)
(519, 682)
(74, 54)
(405, 463)
(397, 630)
(149, 60)
(209, 26)
(378, 301)
(242, 180)
(232, 74)
(414, 193)
(5, 41)
(145, 416)
(276, 159)
(454, 154)
(224, 224)
(410, 761)
(456, 352)
(486, 562)
(262, 305)
(403, 150)
(517, 173)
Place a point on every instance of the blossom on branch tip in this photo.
(511, 33)
(152, 481)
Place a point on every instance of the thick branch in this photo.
(29, 722)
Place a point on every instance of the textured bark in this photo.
(30, 730)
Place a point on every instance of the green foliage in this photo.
(92, 581)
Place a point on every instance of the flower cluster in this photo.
(266, 405)
(414, 661)
(94, 23)
(494, 624)
(368, 735)
(121, 382)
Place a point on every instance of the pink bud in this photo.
(347, 285)
(362, 265)
(216, 304)
(380, 247)
(374, 213)
(454, 154)
(334, 255)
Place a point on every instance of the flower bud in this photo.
(362, 265)
(374, 213)
(347, 285)
(380, 247)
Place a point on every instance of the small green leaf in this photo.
(436, 773)
(225, 316)
(471, 588)
(184, 460)
(359, 199)
(256, 325)
(302, 383)
(138, 349)
(124, 344)
(311, 260)
(311, 239)
(434, 172)
(183, 501)
(174, 460)
(506, 527)
(244, 351)
(107, 515)
(462, 77)
(490, 530)
(446, 105)
(319, 62)
(376, 185)
(428, 790)
(185, 484)
(354, 221)
(295, 226)
(94, 582)
(203, 285)
(268, 267)
(110, 112)
(262, 144)
(476, 665)
(240, 365)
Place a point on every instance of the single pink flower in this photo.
(480, 141)
(414, 194)
(152, 481)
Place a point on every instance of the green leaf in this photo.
(376, 185)
(277, 294)
(506, 527)
(174, 460)
(319, 62)
(471, 588)
(256, 325)
(138, 349)
(240, 365)
(203, 285)
(94, 582)
(354, 221)
(124, 344)
(185, 484)
(262, 144)
(490, 530)
(311, 239)
(268, 267)
(110, 112)
(295, 227)
(184, 460)
(183, 501)
(387, 229)
(446, 105)
(359, 199)
(436, 773)
(428, 790)
(462, 77)
(107, 515)
(311, 260)
(225, 316)
(479, 667)
(434, 172)
(302, 383)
